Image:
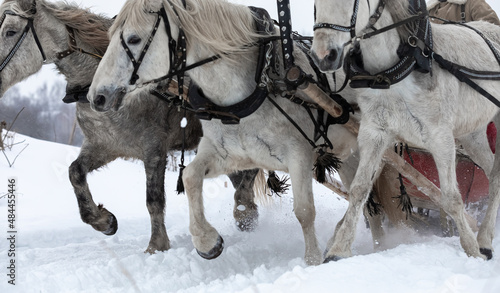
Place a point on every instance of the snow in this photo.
(57, 252)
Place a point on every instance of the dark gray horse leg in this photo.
(155, 165)
(245, 210)
(89, 159)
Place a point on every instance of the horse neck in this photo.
(224, 81)
(380, 51)
(78, 68)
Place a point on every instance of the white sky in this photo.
(302, 21)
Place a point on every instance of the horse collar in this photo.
(414, 53)
(207, 110)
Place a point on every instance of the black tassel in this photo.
(404, 199)
(276, 185)
(180, 184)
(326, 162)
(372, 206)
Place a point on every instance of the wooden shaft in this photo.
(336, 186)
(295, 74)
(424, 185)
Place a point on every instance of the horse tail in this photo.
(260, 189)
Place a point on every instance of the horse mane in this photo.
(400, 10)
(89, 28)
(224, 28)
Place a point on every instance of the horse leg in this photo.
(346, 174)
(245, 210)
(375, 222)
(155, 163)
(303, 207)
(207, 241)
(451, 199)
(91, 157)
(478, 149)
(371, 148)
(487, 228)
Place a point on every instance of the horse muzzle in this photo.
(107, 99)
(330, 60)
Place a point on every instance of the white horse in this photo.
(428, 111)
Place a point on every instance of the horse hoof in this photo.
(246, 218)
(247, 225)
(214, 252)
(486, 252)
(113, 225)
(332, 258)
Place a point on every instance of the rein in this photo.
(29, 26)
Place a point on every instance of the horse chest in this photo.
(247, 144)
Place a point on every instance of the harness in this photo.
(207, 110)
(414, 53)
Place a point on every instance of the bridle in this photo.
(29, 26)
(351, 29)
(172, 44)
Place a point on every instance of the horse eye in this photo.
(133, 40)
(10, 33)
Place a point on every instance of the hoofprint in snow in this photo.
(56, 252)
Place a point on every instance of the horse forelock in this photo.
(223, 27)
(19, 7)
(134, 13)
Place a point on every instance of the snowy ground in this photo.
(56, 252)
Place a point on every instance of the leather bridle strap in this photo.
(137, 62)
(351, 28)
(29, 26)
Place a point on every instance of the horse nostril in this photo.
(99, 100)
(332, 56)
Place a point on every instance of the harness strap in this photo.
(37, 41)
(285, 23)
(73, 47)
(293, 122)
(455, 70)
(488, 42)
(462, 12)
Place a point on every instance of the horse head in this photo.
(337, 25)
(136, 54)
(21, 53)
